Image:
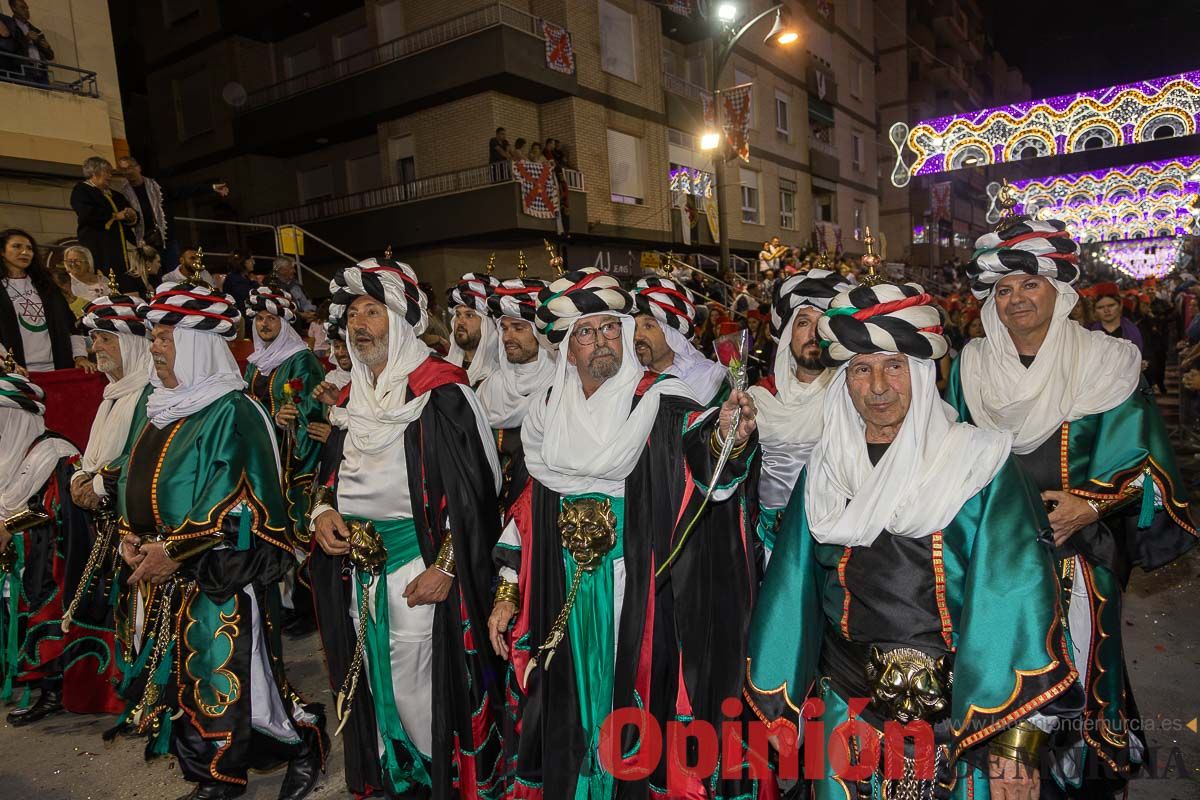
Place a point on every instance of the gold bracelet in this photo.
(444, 562)
(508, 592)
(1022, 742)
(716, 445)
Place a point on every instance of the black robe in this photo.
(697, 613)
(96, 229)
(59, 319)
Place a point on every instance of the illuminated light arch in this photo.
(1157, 257)
(1040, 140)
(1127, 113)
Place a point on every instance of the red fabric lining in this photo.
(432, 373)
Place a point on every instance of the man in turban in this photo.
(35, 469)
(665, 321)
(473, 333)
(525, 371)
(601, 555)
(413, 504)
(122, 352)
(908, 570)
(790, 401)
(1088, 433)
(204, 518)
(339, 354)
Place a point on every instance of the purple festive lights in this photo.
(1144, 258)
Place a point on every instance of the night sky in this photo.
(1063, 46)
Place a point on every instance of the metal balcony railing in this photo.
(487, 17)
(48, 75)
(822, 146)
(678, 86)
(398, 193)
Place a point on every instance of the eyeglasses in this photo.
(587, 334)
(75, 262)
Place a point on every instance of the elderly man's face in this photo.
(881, 389)
(367, 331)
(520, 345)
(650, 343)
(286, 271)
(1025, 303)
(341, 355)
(130, 169)
(806, 347)
(107, 347)
(467, 328)
(267, 326)
(162, 352)
(596, 346)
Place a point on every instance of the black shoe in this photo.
(301, 775)
(48, 704)
(300, 627)
(213, 790)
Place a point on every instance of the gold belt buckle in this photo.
(367, 552)
(909, 685)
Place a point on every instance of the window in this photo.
(193, 105)
(782, 106)
(315, 183)
(404, 159)
(860, 219)
(391, 20)
(787, 204)
(823, 195)
(697, 71)
(625, 168)
(856, 150)
(856, 78)
(749, 180)
(176, 12)
(362, 173)
(617, 53)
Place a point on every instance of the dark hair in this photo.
(499, 129)
(520, 142)
(237, 263)
(37, 271)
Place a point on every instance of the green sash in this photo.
(400, 539)
(591, 633)
(9, 646)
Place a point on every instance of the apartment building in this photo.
(367, 123)
(57, 115)
(935, 59)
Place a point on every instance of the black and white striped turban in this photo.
(1036, 247)
(115, 313)
(333, 331)
(189, 306)
(815, 288)
(887, 318)
(272, 301)
(391, 282)
(472, 291)
(579, 293)
(669, 302)
(17, 391)
(516, 298)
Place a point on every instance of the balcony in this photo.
(950, 23)
(48, 75)
(823, 159)
(684, 103)
(55, 119)
(496, 48)
(480, 201)
(821, 81)
(686, 29)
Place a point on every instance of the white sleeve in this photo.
(79, 347)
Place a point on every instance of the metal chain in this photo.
(350, 682)
(106, 524)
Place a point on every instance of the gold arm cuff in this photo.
(445, 558)
(1022, 742)
(320, 496)
(183, 549)
(508, 592)
(716, 444)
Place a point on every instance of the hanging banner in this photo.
(710, 211)
(735, 104)
(539, 189)
(560, 56)
(939, 200)
(709, 107)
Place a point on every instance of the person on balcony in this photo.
(30, 42)
(105, 220)
(36, 323)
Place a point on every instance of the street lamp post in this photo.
(731, 33)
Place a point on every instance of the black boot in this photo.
(215, 790)
(48, 704)
(301, 775)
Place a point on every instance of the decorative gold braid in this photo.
(1022, 743)
(106, 525)
(345, 695)
(163, 640)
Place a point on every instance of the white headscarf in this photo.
(24, 471)
(268, 356)
(485, 361)
(789, 422)
(512, 388)
(206, 371)
(933, 467)
(110, 429)
(1076, 373)
(338, 377)
(576, 444)
(702, 375)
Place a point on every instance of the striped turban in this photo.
(333, 331)
(391, 282)
(669, 302)
(187, 305)
(472, 291)
(17, 391)
(1036, 247)
(116, 313)
(516, 298)
(887, 318)
(815, 288)
(579, 293)
(272, 301)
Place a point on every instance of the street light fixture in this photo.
(727, 12)
(710, 140)
(782, 32)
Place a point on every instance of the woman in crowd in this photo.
(105, 219)
(36, 323)
(86, 283)
(1110, 316)
(144, 266)
(238, 284)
